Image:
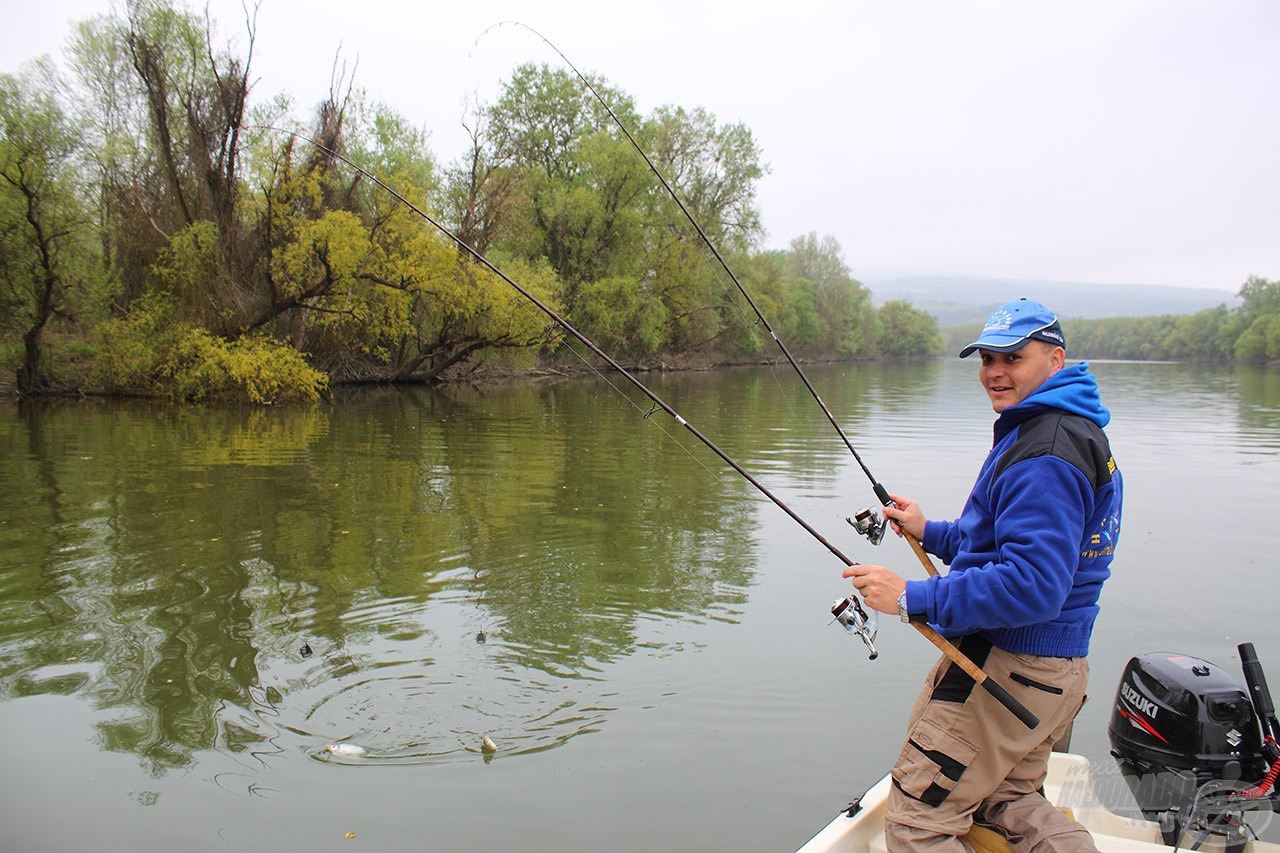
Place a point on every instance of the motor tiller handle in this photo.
(1258, 692)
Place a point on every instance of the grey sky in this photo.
(1125, 141)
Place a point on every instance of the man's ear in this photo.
(1058, 358)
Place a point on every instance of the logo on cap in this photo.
(999, 321)
(1051, 334)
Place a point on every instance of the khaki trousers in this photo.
(967, 758)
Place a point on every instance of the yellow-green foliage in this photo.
(332, 247)
(335, 258)
(201, 366)
(618, 314)
(185, 265)
(495, 308)
(148, 353)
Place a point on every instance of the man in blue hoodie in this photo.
(1027, 557)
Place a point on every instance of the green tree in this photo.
(165, 106)
(907, 332)
(713, 169)
(582, 184)
(843, 303)
(544, 115)
(1229, 332)
(1195, 336)
(764, 274)
(1257, 330)
(1260, 296)
(621, 316)
(1260, 342)
(121, 181)
(482, 189)
(372, 291)
(44, 258)
(806, 330)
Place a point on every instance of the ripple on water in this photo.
(422, 715)
(426, 683)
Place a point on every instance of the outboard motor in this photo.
(1189, 741)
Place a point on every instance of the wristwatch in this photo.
(902, 607)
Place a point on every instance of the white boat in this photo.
(1182, 732)
(1070, 785)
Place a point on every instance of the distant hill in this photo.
(957, 300)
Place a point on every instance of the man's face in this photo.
(1010, 377)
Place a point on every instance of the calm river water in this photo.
(194, 602)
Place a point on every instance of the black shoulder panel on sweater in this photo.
(1072, 438)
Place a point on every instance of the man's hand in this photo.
(878, 587)
(906, 515)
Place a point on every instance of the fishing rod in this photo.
(867, 522)
(859, 621)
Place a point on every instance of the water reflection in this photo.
(225, 592)
(170, 564)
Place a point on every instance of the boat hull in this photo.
(1070, 785)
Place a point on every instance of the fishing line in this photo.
(583, 339)
(866, 521)
(746, 323)
(882, 494)
(865, 630)
(645, 413)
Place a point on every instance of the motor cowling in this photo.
(1178, 723)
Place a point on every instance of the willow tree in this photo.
(367, 288)
(42, 225)
(165, 104)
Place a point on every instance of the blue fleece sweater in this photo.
(1034, 542)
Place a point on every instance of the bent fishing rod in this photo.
(867, 521)
(859, 620)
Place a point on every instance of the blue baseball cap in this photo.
(1013, 324)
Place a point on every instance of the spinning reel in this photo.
(849, 613)
(870, 524)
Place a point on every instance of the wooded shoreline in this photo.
(167, 232)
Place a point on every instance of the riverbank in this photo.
(547, 369)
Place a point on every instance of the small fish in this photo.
(488, 745)
(347, 750)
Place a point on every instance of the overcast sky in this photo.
(1106, 141)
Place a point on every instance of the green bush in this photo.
(148, 354)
